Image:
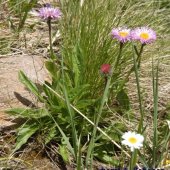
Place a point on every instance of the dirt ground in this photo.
(33, 66)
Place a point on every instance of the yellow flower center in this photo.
(144, 36)
(123, 34)
(132, 140)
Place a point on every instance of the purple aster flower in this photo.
(121, 34)
(49, 12)
(144, 34)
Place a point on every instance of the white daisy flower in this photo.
(133, 140)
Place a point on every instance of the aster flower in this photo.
(144, 34)
(133, 140)
(121, 34)
(105, 68)
(49, 12)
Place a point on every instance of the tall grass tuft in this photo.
(86, 40)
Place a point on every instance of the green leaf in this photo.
(29, 84)
(123, 99)
(16, 111)
(52, 133)
(104, 157)
(66, 139)
(77, 93)
(25, 132)
(52, 68)
(64, 153)
(76, 65)
(84, 104)
(143, 159)
(28, 113)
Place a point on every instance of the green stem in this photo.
(139, 54)
(140, 127)
(50, 39)
(133, 160)
(155, 118)
(118, 57)
(104, 99)
(91, 145)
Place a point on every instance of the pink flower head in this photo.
(144, 34)
(105, 68)
(121, 34)
(49, 12)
